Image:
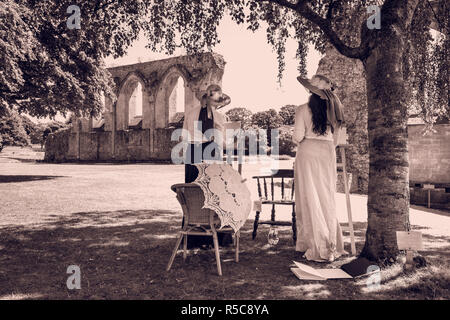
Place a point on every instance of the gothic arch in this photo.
(164, 94)
(132, 97)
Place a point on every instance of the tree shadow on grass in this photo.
(429, 282)
(25, 178)
(123, 255)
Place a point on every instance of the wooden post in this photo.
(113, 132)
(347, 197)
(428, 187)
(79, 128)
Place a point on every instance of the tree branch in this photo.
(302, 8)
(99, 7)
(330, 10)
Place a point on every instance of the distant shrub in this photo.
(287, 146)
(288, 114)
(240, 114)
(34, 130)
(12, 130)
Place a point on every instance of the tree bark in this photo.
(388, 191)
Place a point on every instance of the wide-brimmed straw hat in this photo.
(317, 84)
(324, 87)
(223, 100)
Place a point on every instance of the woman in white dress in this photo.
(317, 126)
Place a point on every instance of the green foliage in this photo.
(240, 114)
(12, 130)
(288, 114)
(426, 64)
(33, 130)
(49, 68)
(287, 146)
(267, 119)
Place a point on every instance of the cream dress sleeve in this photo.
(299, 126)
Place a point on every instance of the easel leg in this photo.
(349, 207)
(294, 225)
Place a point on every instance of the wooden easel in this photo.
(342, 145)
(232, 125)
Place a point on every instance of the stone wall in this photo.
(158, 79)
(131, 145)
(149, 137)
(57, 146)
(348, 75)
(429, 154)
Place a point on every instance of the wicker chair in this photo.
(198, 221)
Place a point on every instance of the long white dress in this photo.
(319, 234)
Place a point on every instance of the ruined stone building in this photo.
(151, 97)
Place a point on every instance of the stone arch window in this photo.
(130, 105)
(135, 103)
(174, 97)
(176, 100)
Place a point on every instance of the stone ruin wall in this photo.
(348, 75)
(116, 140)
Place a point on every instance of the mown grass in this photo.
(119, 224)
(123, 255)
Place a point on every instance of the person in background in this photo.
(45, 134)
(197, 122)
(316, 131)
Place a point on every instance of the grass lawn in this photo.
(119, 224)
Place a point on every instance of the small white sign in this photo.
(409, 240)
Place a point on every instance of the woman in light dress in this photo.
(317, 126)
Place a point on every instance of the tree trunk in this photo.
(388, 191)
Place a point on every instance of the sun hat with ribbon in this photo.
(223, 100)
(323, 87)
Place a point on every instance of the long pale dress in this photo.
(319, 234)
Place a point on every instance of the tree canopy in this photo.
(268, 120)
(240, 114)
(288, 114)
(49, 68)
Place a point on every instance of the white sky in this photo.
(251, 69)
